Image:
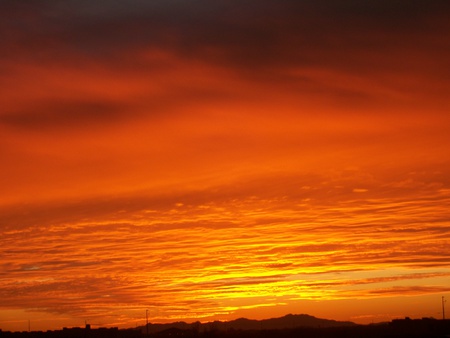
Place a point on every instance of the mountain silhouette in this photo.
(285, 322)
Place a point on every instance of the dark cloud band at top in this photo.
(243, 34)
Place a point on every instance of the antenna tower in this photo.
(443, 307)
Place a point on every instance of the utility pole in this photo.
(146, 320)
(443, 307)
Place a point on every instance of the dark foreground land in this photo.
(407, 328)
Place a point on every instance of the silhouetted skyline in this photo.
(287, 326)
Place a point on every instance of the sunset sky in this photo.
(210, 160)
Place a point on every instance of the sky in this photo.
(210, 160)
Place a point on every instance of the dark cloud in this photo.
(57, 114)
(395, 46)
(54, 113)
(243, 33)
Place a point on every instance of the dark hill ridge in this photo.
(286, 322)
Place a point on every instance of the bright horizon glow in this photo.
(221, 163)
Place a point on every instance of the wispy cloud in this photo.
(197, 253)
